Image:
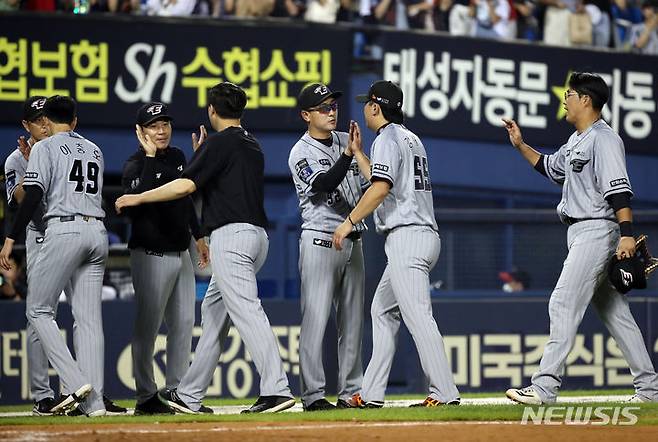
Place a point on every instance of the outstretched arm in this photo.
(173, 190)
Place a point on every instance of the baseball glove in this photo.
(631, 273)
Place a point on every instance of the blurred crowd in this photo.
(627, 25)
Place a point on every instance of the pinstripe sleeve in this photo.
(39, 168)
(610, 165)
(386, 160)
(554, 166)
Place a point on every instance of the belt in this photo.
(66, 219)
(354, 236)
(569, 221)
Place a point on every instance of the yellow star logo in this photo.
(559, 93)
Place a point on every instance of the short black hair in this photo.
(592, 85)
(60, 109)
(228, 99)
(392, 115)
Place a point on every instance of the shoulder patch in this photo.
(324, 162)
(31, 175)
(303, 170)
(381, 167)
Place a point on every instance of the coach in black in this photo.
(228, 171)
(162, 271)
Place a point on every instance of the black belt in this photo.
(569, 221)
(66, 219)
(354, 236)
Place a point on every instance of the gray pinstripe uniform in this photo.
(328, 276)
(590, 167)
(406, 218)
(237, 252)
(37, 362)
(69, 170)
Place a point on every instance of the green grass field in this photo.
(647, 413)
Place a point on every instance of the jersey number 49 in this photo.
(77, 176)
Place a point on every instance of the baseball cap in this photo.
(151, 112)
(314, 94)
(627, 274)
(385, 93)
(33, 107)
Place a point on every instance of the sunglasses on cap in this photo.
(325, 108)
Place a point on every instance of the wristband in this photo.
(626, 228)
(349, 217)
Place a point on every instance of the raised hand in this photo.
(515, 136)
(355, 144)
(24, 147)
(145, 141)
(197, 141)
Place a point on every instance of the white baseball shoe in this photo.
(635, 399)
(526, 395)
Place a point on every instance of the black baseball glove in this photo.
(631, 273)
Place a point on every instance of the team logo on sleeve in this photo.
(31, 175)
(380, 167)
(619, 182)
(578, 164)
(324, 162)
(303, 170)
(134, 183)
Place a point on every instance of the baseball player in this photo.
(228, 171)
(161, 267)
(66, 171)
(326, 175)
(401, 197)
(35, 124)
(596, 194)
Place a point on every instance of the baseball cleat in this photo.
(430, 402)
(44, 407)
(320, 405)
(77, 412)
(270, 404)
(171, 398)
(354, 402)
(635, 399)
(526, 395)
(206, 410)
(112, 408)
(153, 406)
(69, 402)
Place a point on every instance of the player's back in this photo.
(409, 201)
(69, 169)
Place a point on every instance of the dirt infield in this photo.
(326, 431)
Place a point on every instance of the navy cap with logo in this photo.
(627, 274)
(314, 94)
(385, 93)
(151, 112)
(33, 107)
